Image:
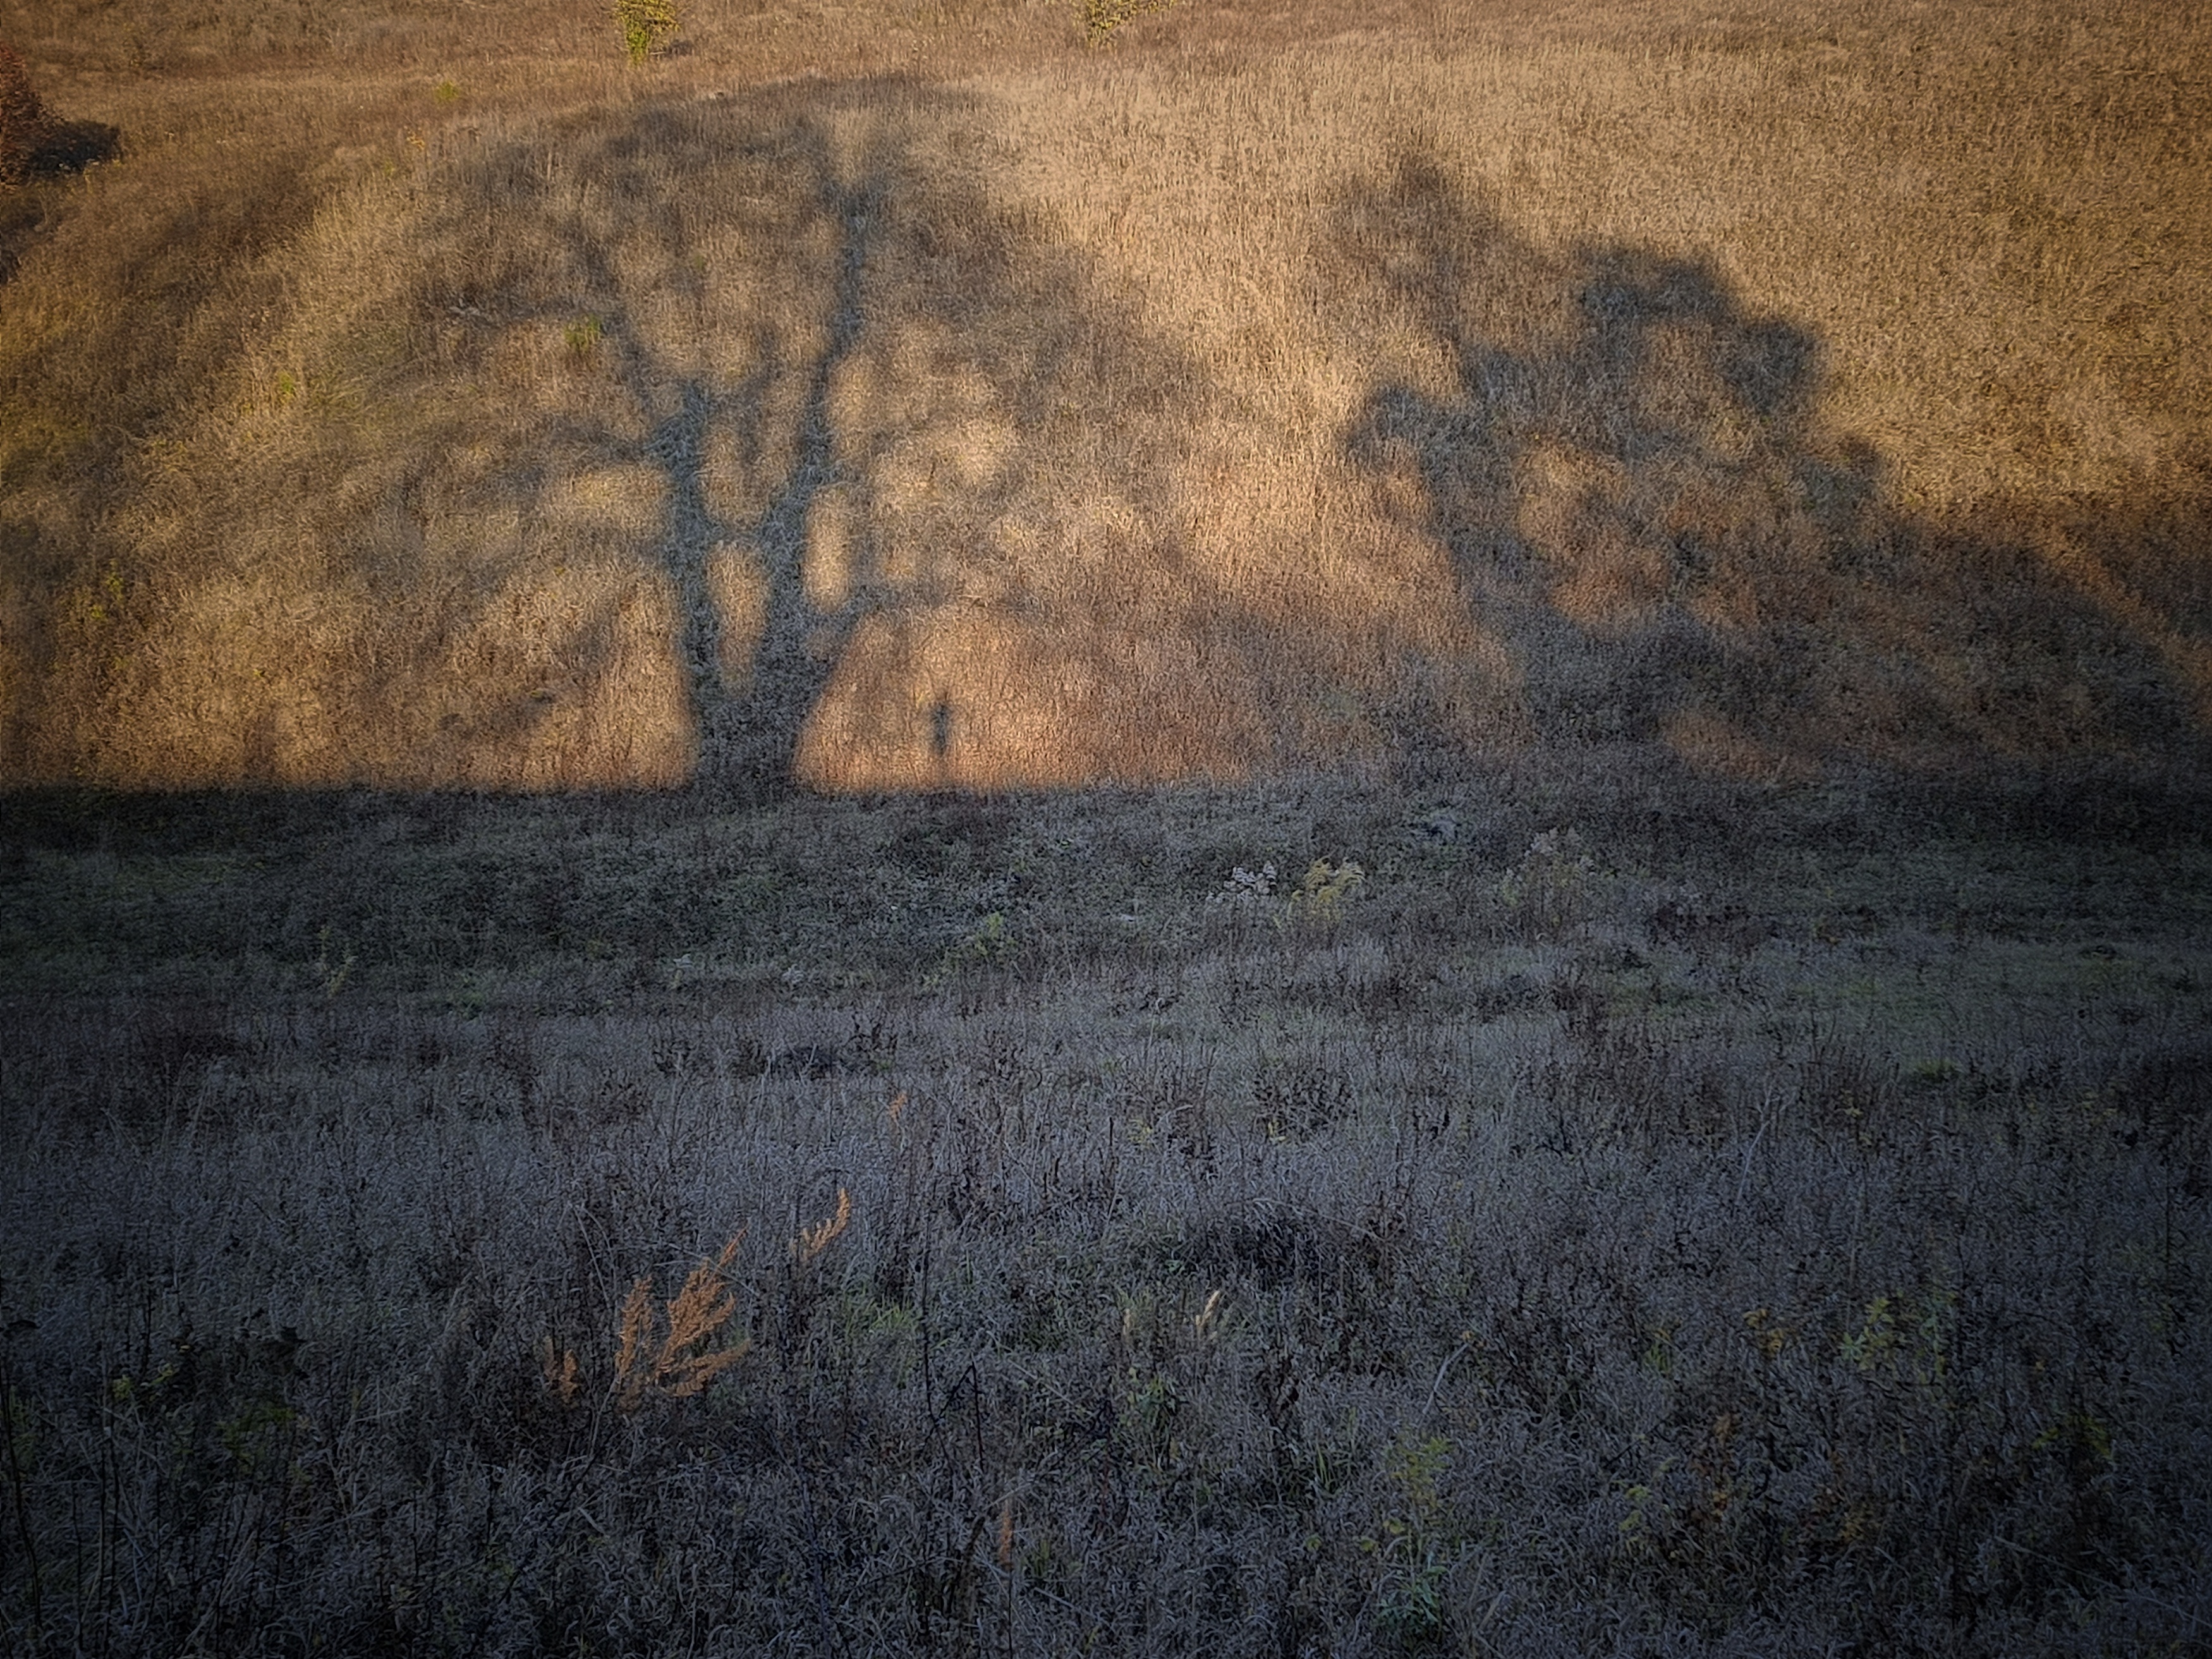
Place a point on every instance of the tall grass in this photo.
(1638, 1213)
(1544, 1248)
(1783, 397)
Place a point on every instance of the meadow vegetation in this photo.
(1638, 1215)
(1026, 827)
(915, 400)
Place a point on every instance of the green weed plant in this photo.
(1102, 17)
(646, 25)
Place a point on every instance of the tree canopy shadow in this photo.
(738, 431)
(889, 451)
(772, 444)
(1643, 497)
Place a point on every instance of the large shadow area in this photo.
(740, 447)
(1641, 492)
(923, 523)
(809, 463)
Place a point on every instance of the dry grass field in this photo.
(979, 826)
(895, 400)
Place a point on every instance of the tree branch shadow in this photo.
(748, 731)
(827, 466)
(1642, 494)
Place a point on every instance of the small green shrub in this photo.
(1322, 892)
(1102, 17)
(988, 942)
(1554, 889)
(1413, 1556)
(646, 25)
(1318, 900)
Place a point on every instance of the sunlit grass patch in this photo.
(995, 445)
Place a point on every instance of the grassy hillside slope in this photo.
(1357, 830)
(411, 407)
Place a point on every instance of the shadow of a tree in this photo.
(775, 443)
(1643, 499)
(753, 651)
(912, 507)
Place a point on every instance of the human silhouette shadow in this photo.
(863, 483)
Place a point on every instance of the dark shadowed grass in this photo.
(1636, 1213)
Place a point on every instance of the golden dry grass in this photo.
(414, 409)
